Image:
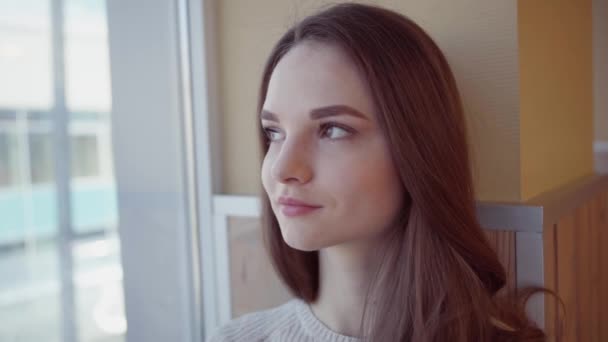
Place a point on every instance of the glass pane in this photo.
(31, 299)
(96, 252)
(25, 54)
(30, 305)
(85, 156)
(9, 175)
(30, 309)
(41, 158)
(87, 57)
(6, 174)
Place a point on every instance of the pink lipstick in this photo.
(292, 207)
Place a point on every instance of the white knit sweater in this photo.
(292, 321)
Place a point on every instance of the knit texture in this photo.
(292, 321)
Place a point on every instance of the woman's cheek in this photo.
(265, 173)
(342, 173)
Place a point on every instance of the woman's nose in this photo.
(292, 164)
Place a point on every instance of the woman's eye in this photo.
(328, 130)
(333, 131)
(272, 134)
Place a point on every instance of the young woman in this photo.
(369, 209)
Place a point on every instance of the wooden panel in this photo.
(597, 214)
(581, 259)
(566, 275)
(599, 222)
(253, 283)
(503, 243)
(583, 226)
(550, 273)
(593, 268)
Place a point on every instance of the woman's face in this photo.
(326, 150)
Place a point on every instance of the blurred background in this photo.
(54, 66)
(129, 169)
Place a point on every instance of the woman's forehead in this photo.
(313, 75)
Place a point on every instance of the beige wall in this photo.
(479, 37)
(556, 93)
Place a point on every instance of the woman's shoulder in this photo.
(258, 325)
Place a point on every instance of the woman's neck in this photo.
(344, 274)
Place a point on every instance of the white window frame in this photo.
(164, 142)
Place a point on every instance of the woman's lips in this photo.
(297, 210)
(294, 201)
(293, 207)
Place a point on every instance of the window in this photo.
(34, 264)
(40, 157)
(8, 159)
(85, 156)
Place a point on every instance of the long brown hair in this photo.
(438, 277)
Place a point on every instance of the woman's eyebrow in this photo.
(319, 113)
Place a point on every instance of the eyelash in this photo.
(324, 127)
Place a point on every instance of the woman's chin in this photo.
(302, 245)
(302, 242)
